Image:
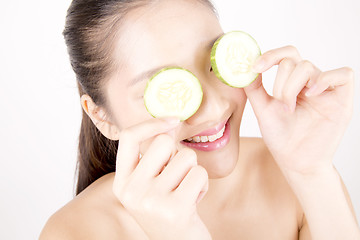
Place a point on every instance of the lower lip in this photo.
(212, 146)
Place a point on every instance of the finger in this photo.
(331, 80)
(286, 66)
(177, 168)
(130, 139)
(303, 73)
(156, 157)
(274, 57)
(194, 183)
(257, 96)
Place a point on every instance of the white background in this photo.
(40, 110)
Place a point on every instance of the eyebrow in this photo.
(146, 75)
(149, 73)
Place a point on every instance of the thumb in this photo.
(257, 95)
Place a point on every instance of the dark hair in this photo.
(90, 29)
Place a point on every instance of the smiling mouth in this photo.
(210, 135)
(211, 138)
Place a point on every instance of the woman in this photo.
(138, 176)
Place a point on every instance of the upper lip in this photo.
(212, 131)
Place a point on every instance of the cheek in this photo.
(135, 113)
(238, 99)
(237, 96)
(129, 110)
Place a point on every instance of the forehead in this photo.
(163, 33)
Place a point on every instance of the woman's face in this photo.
(177, 33)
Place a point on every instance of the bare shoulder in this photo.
(93, 214)
(255, 151)
(270, 178)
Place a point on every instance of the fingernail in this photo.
(258, 66)
(311, 91)
(172, 120)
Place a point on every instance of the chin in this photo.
(221, 169)
(222, 162)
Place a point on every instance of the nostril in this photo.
(211, 69)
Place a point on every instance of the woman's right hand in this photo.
(160, 190)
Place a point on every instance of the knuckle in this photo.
(287, 63)
(268, 56)
(125, 193)
(307, 65)
(325, 79)
(148, 203)
(349, 72)
(127, 199)
(201, 172)
(186, 163)
(293, 49)
(163, 139)
(189, 155)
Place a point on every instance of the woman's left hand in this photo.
(305, 119)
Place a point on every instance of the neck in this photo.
(222, 191)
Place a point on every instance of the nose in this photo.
(213, 106)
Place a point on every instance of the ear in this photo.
(99, 118)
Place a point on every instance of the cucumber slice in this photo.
(232, 56)
(173, 92)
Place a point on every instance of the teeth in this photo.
(204, 139)
(221, 133)
(211, 138)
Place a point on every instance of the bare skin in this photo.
(282, 186)
(247, 210)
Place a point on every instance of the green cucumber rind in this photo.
(214, 64)
(159, 72)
